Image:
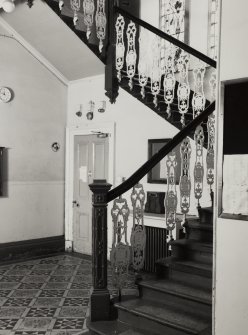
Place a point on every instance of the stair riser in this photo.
(148, 325)
(162, 297)
(205, 216)
(200, 234)
(183, 252)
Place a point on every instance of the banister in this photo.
(155, 159)
(167, 37)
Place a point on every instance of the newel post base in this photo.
(100, 297)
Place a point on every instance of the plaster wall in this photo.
(30, 123)
(231, 305)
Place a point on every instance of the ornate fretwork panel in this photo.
(169, 77)
(131, 55)
(75, 6)
(120, 47)
(171, 194)
(138, 235)
(89, 9)
(198, 100)
(183, 90)
(185, 182)
(198, 169)
(156, 69)
(143, 65)
(120, 253)
(101, 22)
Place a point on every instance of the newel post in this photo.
(100, 297)
(111, 81)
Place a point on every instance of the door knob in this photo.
(75, 203)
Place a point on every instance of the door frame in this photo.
(71, 132)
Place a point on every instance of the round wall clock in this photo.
(5, 94)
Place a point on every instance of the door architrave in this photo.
(71, 132)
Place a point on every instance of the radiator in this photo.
(156, 247)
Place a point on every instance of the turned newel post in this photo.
(111, 81)
(100, 297)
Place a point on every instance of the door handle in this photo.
(75, 203)
(90, 174)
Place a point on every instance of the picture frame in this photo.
(158, 175)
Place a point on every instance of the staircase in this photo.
(177, 300)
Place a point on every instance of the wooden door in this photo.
(90, 162)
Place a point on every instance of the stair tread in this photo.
(174, 316)
(179, 289)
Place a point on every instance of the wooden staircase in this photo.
(178, 300)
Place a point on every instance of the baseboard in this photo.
(29, 249)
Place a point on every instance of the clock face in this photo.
(5, 94)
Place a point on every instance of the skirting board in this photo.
(24, 250)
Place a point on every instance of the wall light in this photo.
(7, 5)
(102, 107)
(90, 113)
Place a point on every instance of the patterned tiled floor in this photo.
(48, 296)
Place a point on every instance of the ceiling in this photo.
(46, 33)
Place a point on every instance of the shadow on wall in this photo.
(4, 163)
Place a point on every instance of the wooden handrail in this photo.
(167, 37)
(155, 159)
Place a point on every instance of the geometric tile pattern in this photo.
(48, 296)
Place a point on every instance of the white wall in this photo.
(231, 309)
(30, 123)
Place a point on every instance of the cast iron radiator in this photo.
(156, 247)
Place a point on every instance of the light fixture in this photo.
(102, 107)
(90, 113)
(7, 5)
(79, 112)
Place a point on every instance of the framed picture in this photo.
(158, 175)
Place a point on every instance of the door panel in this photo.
(90, 162)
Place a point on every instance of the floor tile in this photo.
(5, 293)
(74, 312)
(69, 323)
(59, 279)
(11, 279)
(23, 266)
(7, 323)
(32, 332)
(55, 286)
(76, 302)
(25, 293)
(18, 272)
(30, 286)
(18, 302)
(35, 323)
(52, 293)
(11, 312)
(41, 312)
(47, 302)
(78, 293)
(35, 279)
